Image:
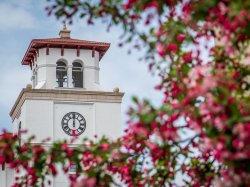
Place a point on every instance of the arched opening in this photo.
(61, 74)
(77, 75)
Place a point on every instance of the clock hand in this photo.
(74, 123)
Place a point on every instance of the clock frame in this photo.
(73, 124)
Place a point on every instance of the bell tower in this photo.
(65, 98)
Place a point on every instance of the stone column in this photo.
(70, 80)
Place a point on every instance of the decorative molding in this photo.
(18, 114)
(69, 66)
(45, 65)
(64, 95)
(91, 67)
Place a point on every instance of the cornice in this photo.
(67, 43)
(65, 96)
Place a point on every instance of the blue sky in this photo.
(23, 20)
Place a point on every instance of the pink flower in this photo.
(104, 147)
(2, 159)
(91, 182)
(187, 57)
(152, 146)
(38, 150)
(31, 171)
(160, 49)
(238, 144)
(125, 169)
(64, 147)
(84, 181)
(52, 169)
(158, 87)
(129, 4)
(141, 131)
(218, 122)
(172, 47)
(69, 152)
(181, 38)
(153, 4)
(195, 126)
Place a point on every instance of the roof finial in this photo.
(64, 33)
(64, 26)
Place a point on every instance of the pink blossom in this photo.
(84, 181)
(181, 38)
(2, 159)
(172, 47)
(129, 4)
(104, 147)
(125, 169)
(152, 146)
(160, 49)
(219, 123)
(31, 171)
(187, 57)
(52, 169)
(195, 126)
(238, 144)
(141, 131)
(153, 4)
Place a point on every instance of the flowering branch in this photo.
(200, 51)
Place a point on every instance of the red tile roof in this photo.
(36, 44)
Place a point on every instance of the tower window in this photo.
(61, 74)
(77, 75)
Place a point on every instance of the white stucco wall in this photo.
(43, 118)
(60, 180)
(37, 118)
(108, 120)
(6, 176)
(3, 177)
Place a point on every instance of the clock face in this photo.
(73, 124)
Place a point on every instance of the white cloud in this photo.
(15, 17)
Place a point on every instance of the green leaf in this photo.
(135, 99)
(147, 118)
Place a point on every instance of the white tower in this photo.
(65, 89)
(65, 98)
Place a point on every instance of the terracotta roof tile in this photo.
(36, 44)
(70, 40)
